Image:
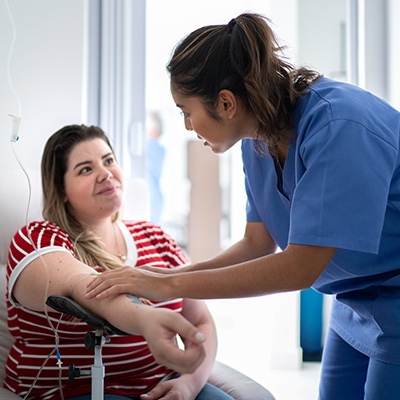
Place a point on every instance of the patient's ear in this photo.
(227, 104)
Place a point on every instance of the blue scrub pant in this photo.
(348, 374)
(209, 392)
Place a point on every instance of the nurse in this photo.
(322, 175)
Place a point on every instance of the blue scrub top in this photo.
(340, 187)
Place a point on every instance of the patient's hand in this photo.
(175, 389)
(160, 327)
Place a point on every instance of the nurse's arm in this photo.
(249, 268)
(295, 268)
(257, 242)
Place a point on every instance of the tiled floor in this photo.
(289, 384)
(301, 384)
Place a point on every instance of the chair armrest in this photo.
(68, 306)
(236, 384)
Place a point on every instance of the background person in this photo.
(322, 175)
(155, 156)
(82, 235)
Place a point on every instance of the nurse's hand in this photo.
(128, 280)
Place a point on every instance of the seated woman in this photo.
(80, 237)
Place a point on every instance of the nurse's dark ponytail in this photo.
(245, 58)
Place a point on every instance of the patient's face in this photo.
(93, 183)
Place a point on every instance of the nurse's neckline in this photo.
(282, 154)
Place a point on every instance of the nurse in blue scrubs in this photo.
(322, 175)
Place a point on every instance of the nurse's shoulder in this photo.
(331, 101)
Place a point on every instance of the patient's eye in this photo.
(109, 161)
(85, 170)
(184, 114)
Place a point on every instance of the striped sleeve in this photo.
(32, 242)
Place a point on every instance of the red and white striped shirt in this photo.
(129, 366)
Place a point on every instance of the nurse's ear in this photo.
(227, 104)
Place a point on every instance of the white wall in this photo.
(321, 42)
(46, 70)
(394, 52)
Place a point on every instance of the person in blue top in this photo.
(322, 175)
(155, 157)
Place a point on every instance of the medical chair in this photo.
(13, 206)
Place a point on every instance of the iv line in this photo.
(14, 138)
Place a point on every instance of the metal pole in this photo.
(98, 370)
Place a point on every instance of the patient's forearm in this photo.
(65, 276)
(203, 372)
(122, 311)
(59, 273)
(158, 326)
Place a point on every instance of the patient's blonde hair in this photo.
(87, 245)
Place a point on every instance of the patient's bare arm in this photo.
(63, 275)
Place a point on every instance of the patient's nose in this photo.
(104, 174)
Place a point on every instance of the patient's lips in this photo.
(108, 190)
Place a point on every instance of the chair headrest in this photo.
(14, 202)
